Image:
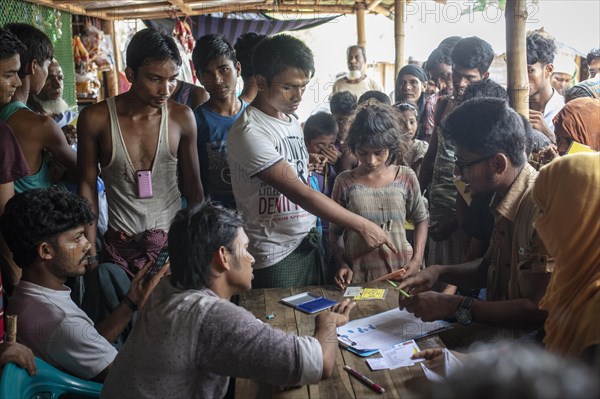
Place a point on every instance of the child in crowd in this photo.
(320, 133)
(375, 94)
(265, 150)
(342, 105)
(218, 70)
(408, 128)
(381, 191)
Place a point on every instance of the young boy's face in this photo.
(320, 142)
(408, 123)
(219, 77)
(285, 91)
(9, 78)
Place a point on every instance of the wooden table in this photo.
(262, 302)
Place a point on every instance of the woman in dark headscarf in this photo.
(411, 87)
(579, 121)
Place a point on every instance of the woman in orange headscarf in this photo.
(568, 192)
(578, 120)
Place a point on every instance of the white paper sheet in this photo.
(378, 363)
(352, 291)
(396, 356)
(386, 329)
(400, 355)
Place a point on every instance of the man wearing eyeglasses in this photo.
(489, 140)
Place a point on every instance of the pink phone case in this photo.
(144, 183)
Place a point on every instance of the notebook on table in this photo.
(308, 303)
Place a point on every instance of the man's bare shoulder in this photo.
(179, 113)
(95, 110)
(176, 108)
(25, 118)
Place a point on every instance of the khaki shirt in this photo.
(516, 251)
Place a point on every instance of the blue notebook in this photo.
(308, 303)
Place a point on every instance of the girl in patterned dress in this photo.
(408, 127)
(381, 191)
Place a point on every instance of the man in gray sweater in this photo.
(189, 338)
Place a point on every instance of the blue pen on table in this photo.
(399, 289)
(348, 342)
(365, 380)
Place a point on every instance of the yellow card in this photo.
(576, 147)
(371, 293)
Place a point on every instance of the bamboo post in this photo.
(516, 56)
(11, 328)
(112, 77)
(399, 34)
(361, 38)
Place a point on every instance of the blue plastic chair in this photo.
(47, 383)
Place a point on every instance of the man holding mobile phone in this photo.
(137, 138)
(44, 229)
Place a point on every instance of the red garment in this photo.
(13, 165)
(132, 253)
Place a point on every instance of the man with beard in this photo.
(49, 101)
(44, 229)
(356, 81)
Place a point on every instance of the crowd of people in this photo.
(444, 190)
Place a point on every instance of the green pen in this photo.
(399, 289)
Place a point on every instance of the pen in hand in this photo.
(365, 380)
(399, 289)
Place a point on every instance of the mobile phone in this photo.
(163, 257)
(144, 183)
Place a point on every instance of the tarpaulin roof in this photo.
(233, 25)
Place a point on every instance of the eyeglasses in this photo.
(461, 166)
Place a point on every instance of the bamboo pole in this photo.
(73, 9)
(399, 34)
(516, 56)
(112, 77)
(11, 328)
(183, 7)
(361, 38)
(373, 5)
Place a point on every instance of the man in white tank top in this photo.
(137, 137)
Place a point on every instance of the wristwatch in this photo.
(463, 313)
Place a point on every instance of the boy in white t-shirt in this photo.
(269, 172)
